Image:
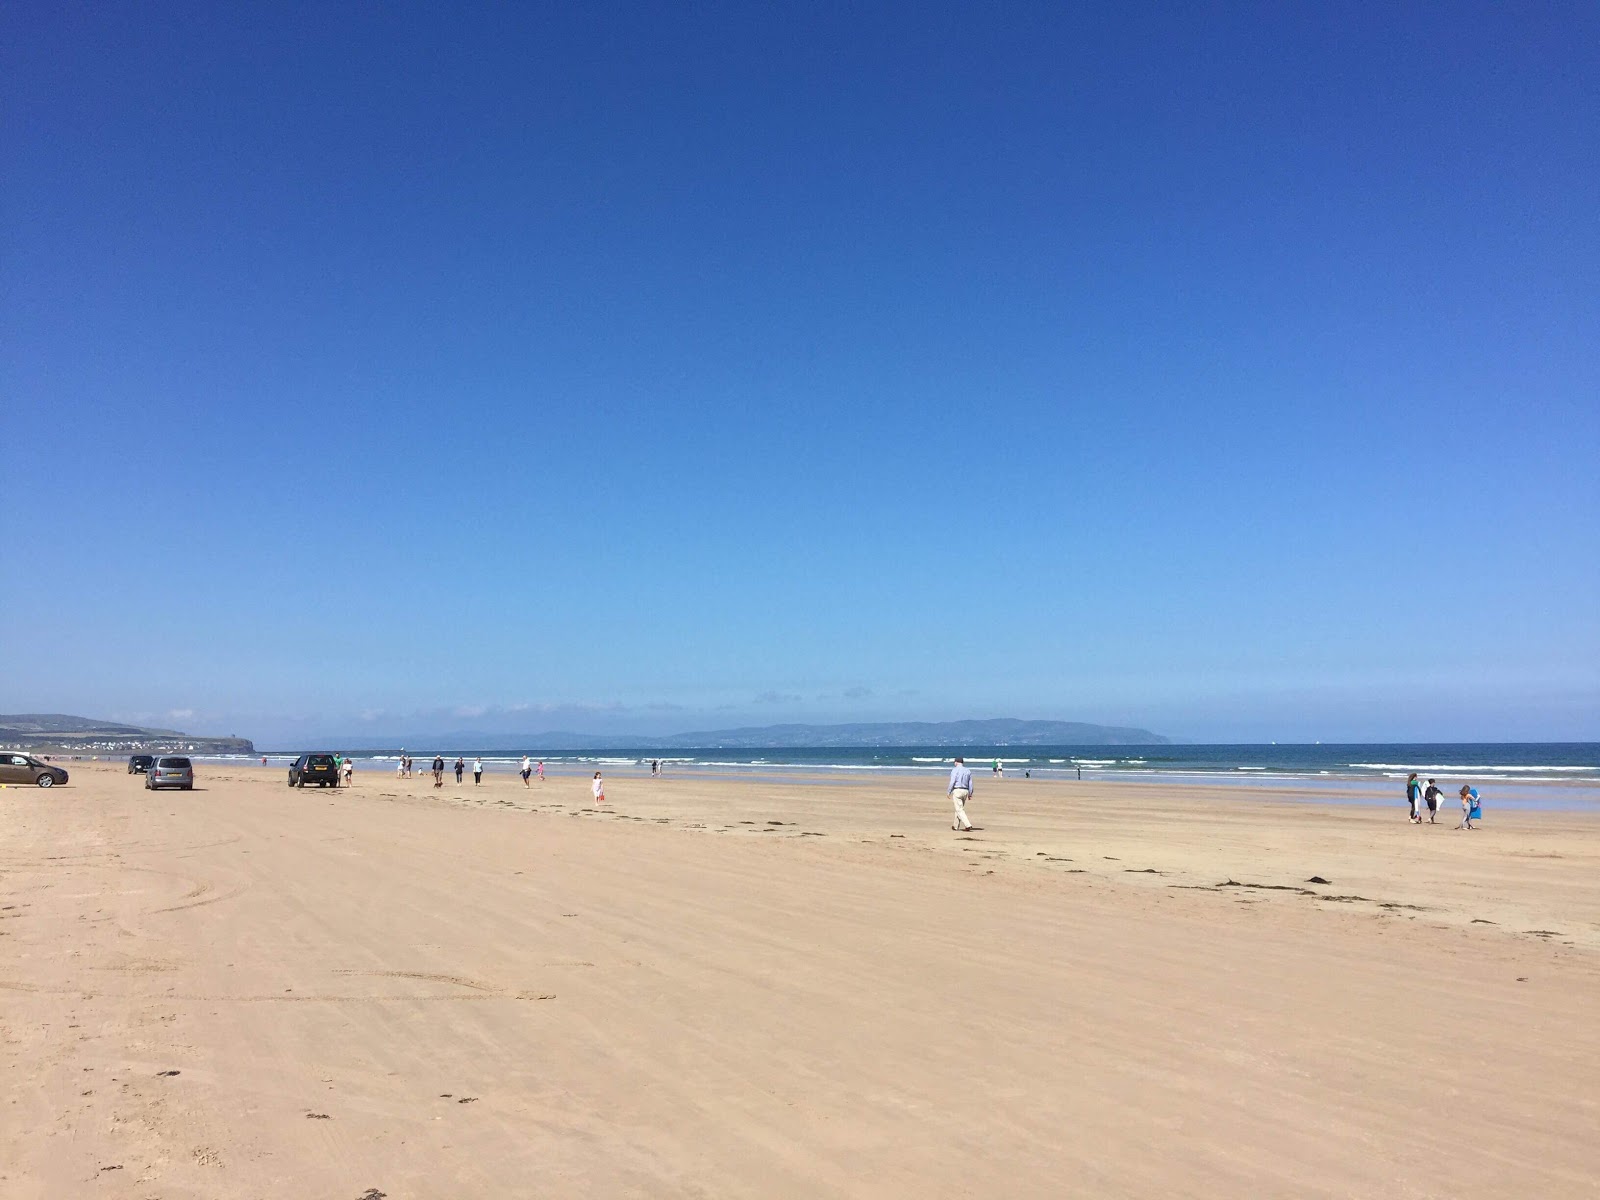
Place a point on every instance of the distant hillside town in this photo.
(56, 733)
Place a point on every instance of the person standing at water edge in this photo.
(527, 769)
(541, 770)
(438, 770)
(1413, 794)
(599, 788)
(960, 791)
(477, 771)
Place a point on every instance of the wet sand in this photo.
(725, 989)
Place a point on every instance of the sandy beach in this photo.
(807, 988)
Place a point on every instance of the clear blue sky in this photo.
(1232, 371)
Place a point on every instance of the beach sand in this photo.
(723, 988)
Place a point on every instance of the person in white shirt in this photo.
(527, 769)
(477, 770)
(960, 791)
(599, 790)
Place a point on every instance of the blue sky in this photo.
(1226, 370)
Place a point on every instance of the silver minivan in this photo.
(170, 771)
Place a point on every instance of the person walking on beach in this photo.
(460, 767)
(1470, 809)
(438, 770)
(541, 770)
(349, 771)
(477, 771)
(599, 788)
(960, 791)
(1431, 796)
(1413, 794)
(527, 769)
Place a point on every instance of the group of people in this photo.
(1420, 798)
(404, 769)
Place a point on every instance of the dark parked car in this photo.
(16, 767)
(319, 769)
(140, 764)
(170, 771)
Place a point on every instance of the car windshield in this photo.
(320, 760)
(175, 762)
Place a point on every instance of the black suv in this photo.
(140, 764)
(319, 769)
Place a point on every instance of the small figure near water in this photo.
(1471, 809)
(1431, 796)
(477, 771)
(1413, 794)
(960, 791)
(527, 769)
(599, 789)
(349, 769)
(461, 767)
(438, 770)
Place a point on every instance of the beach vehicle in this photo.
(139, 764)
(25, 768)
(170, 771)
(319, 769)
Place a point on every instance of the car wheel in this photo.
(46, 781)
(188, 787)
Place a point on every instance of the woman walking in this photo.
(1471, 810)
(477, 771)
(1413, 794)
(461, 766)
(599, 788)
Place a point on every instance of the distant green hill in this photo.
(60, 733)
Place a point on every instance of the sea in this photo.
(1549, 775)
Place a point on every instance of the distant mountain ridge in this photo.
(1000, 731)
(85, 735)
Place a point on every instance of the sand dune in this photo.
(798, 989)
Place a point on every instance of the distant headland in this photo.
(58, 733)
(1002, 731)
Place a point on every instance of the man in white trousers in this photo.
(960, 790)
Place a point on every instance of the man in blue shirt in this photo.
(960, 790)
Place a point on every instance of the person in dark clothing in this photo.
(438, 770)
(1430, 797)
(461, 766)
